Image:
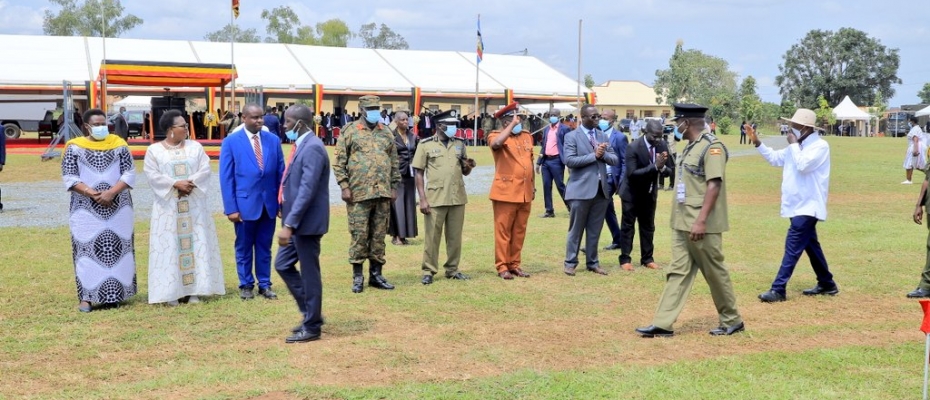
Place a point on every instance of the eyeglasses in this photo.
(185, 126)
(595, 116)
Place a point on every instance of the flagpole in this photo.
(232, 61)
(579, 64)
(477, 74)
(926, 364)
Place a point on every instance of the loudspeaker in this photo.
(162, 104)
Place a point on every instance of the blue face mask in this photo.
(603, 124)
(292, 134)
(372, 116)
(451, 130)
(517, 128)
(99, 132)
(553, 120)
(678, 135)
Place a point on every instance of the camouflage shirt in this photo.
(366, 161)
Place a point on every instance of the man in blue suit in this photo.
(587, 155)
(272, 122)
(305, 219)
(615, 173)
(251, 165)
(550, 162)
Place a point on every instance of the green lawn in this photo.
(549, 336)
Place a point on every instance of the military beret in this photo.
(688, 110)
(369, 101)
(510, 109)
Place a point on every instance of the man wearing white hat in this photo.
(804, 186)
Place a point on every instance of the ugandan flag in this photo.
(91, 88)
(235, 8)
(508, 96)
(416, 100)
(317, 103)
(590, 98)
(480, 49)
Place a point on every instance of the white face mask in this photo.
(796, 132)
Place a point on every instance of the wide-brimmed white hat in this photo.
(804, 117)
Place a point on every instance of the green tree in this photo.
(90, 18)
(877, 112)
(238, 35)
(589, 81)
(787, 109)
(283, 26)
(386, 38)
(837, 64)
(769, 114)
(333, 33)
(924, 94)
(750, 105)
(694, 77)
(825, 117)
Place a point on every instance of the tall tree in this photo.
(589, 81)
(234, 33)
(695, 77)
(924, 94)
(90, 18)
(333, 33)
(787, 109)
(283, 26)
(750, 105)
(837, 64)
(824, 113)
(385, 39)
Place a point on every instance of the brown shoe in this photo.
(397, 242)
(505, 274)
(570, 271)
(652, 265)
(626, 266)
(598, 270)
(519, 272)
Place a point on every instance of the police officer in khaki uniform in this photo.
(699, 218)
(440, 163)
(366, 170)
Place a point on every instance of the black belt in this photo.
(549, 157)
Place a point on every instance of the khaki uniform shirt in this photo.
(366, 161)
(445, 185)
(689, 174)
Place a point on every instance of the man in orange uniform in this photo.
(513, 190)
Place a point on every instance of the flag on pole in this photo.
(480, 42)
(235, 8)
(925, 325)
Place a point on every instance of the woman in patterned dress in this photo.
(98, 171)
(184, 253)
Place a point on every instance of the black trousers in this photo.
(642, 212)
(306, 285)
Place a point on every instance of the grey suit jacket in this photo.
(305, 200)
(585, 171)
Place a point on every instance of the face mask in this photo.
(678, 134)
(292, 134)
(796, 132)
(553, 120)
(99, 132)
(517, 128)
(603, 124)
(372, 116)
(450, 130)
(124, 114)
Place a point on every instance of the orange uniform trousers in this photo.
(510, 221)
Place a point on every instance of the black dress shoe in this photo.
(297, 328)
(771, 297)
(358, 284)
(268, 294)
(460, 276)
(379, 282)
(918, 293)
(612, 246)
(818, 290)
(427, 279)
(722, 331)
(303, 336)
(652, 331)
(548, 215)
(246, 293)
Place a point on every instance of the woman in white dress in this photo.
(184, 255)
(916, 156)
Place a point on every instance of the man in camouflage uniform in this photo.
(440, 163)
(366, 170)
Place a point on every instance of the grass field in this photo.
(549, 336)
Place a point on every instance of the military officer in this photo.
(512, 192)
(366, 170)
(699, 218)
(440, 163)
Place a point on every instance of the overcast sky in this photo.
(622, 39)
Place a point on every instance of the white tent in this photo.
(542, 108)
(847, 110)
(922, 112)
(135, 103)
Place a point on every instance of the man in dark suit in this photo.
(251, 165)
(646, 158)
(615, 174)
(425, 127)
(550, 162)
(273, 123)
(587, 155)
(120, 125)
(305, 219)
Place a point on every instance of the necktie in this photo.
(592, 139)
(286, 168)
(427, 122)
(652, 154)
(258, 152)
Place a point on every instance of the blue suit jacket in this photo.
(273, 124)
(246, 189)
(618, 142)
(560, 135)
(305, 199)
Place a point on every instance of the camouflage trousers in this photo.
(368, 224)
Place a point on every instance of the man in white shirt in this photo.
(804, 186)
(635, 128)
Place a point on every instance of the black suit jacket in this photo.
(642, 175)
(405, 153)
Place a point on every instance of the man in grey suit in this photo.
(587, 155)
(304, 198)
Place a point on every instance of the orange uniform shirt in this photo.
(514, 178)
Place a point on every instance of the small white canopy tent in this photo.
(922, 112)
(135, 103)
(848, 111)
(542, 108)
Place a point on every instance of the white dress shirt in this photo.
(805, 177)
